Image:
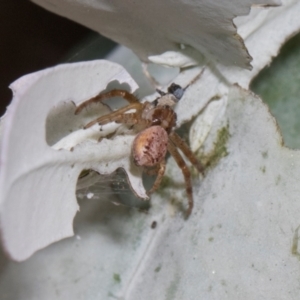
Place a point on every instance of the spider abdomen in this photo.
(150, 146)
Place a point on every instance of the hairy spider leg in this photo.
(128, 119)
(182, 145)
(116, 115)
(186, 174)
(151, 79)
(160, 173)
(152, 170)
(99, 98)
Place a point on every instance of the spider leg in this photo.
(152, 171)
(160, 174)
(116, 115)
(127, 119)
(99, 98)
(182, 145)
(186, 174)
(151, 79)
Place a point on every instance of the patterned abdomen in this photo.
(150, 146)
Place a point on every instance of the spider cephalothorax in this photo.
(155, 122)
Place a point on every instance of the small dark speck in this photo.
(157, 269)
(154, 224)
(117, 277)
(72, 149)
(223, 282)
(264, 154)
(263, 169)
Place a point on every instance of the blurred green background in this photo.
(278, 85)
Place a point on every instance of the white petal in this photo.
(152, 28)
(37, 182)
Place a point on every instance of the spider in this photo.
(155, 121)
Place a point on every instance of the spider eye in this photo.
(176, 90)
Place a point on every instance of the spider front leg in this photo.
(99, 98)
(186, 174)
(159, 177)
(119, 116)
(182, 145)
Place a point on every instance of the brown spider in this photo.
(155, 122)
